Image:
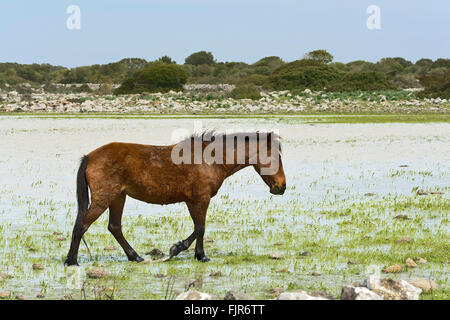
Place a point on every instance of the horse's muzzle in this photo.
(278, 190)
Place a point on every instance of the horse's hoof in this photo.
(203, 259)
(135, 258)
(174, 250)
(70, 262)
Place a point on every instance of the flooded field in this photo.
(347, 183)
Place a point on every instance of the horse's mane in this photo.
(208, 136)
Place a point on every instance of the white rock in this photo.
(299, 295)
(195, 295)
(424, 284)
(358, 293)
(390, 289)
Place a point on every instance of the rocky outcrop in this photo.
(192, 100)
(380, 289)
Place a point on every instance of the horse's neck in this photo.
(227, 169)
(230, 169)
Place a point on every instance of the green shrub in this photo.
(360, 81)
(389, 66)
(442, 63)
(256, 79)
(406, 81)
(436, 86)
(303, 74)
(424, 63)
(166, 59)
(127, 86)
(114, 72)
(262, 70)
(315, 75)
(84, 88)
(155, 77)
(201, 57)
(266, 65)
(246, 91)
(201, 70)
(360, 65)
(322, 56)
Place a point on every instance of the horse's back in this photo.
(144, 172)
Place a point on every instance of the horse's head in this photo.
(269, 165)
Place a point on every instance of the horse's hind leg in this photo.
(115, 227)
(95, 210)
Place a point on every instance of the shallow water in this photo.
(329, 169)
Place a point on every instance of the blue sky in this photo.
(245, 30)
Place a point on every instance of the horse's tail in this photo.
(82, 191)
(83, 205)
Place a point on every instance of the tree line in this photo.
(316, 70)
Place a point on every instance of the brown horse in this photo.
(154, 174)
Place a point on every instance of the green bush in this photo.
(303, 74)
(246, 91)
(360, 81)
(127, 86)
(406, 81)
(322, 56)
(266, 65)
(84, 88)
(390, 66)
(201, 57)
(115, 72)
(424, 63)
(155, 77)
(166, 59)
(315, 75)
(256, 79)
(436, 86)
(360, 65)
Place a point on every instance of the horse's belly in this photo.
(155, 196)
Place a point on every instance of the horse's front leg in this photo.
(198, 213)
(182, 245)
(198, 210)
